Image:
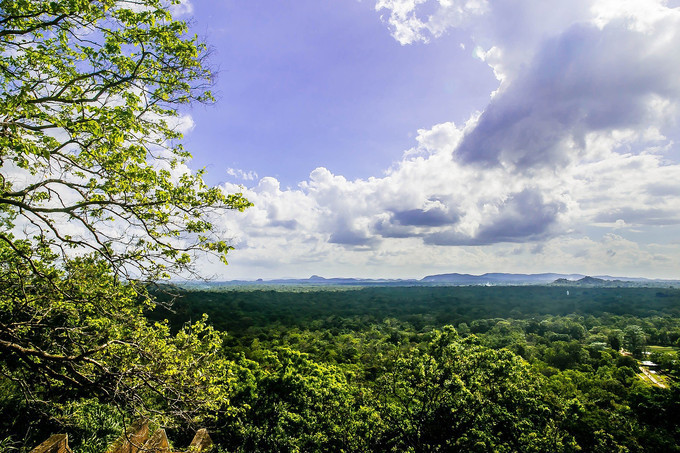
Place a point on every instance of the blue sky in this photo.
(400, 138)
(305, 83)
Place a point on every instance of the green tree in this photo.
(455, 395)
(634, 339)
(94, 196)
(293, 403)
(89, 139)
(615, 339)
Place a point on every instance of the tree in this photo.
(634, 339)
(455, 395)
(293, 403)
(78, 331)
(95, 195)
(615, 339)
(89, 137)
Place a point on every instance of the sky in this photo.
(403, 138)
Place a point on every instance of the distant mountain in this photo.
(624, 282)
(499, 278)
(597, 281)
(317, 280)
(631, 279)
(591, 281)
(453, 279)
(314, 280)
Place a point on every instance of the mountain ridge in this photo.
(453, 279)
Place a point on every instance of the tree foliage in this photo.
(459, 396)
(634, 339)
(78, 330)
(95, 195)
(325, 372)
(89, 132)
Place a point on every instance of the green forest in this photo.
(472, 368)
(99, 211)
(447, 368)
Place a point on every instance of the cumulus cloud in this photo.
(408, 25)
(638, 216)
(568, 69)
(523, 217)
(430, 217)
(240, 174)
(566, 164)
(183, 8)
(586, 80)
(432, 209)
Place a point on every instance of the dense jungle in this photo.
(516, 368)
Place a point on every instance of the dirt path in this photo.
(652, 378)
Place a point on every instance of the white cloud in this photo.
(639, 15)
(400, 224)
(183, 8)
(585, 80)
(408, 25)
(240, 174)
(569, 168)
